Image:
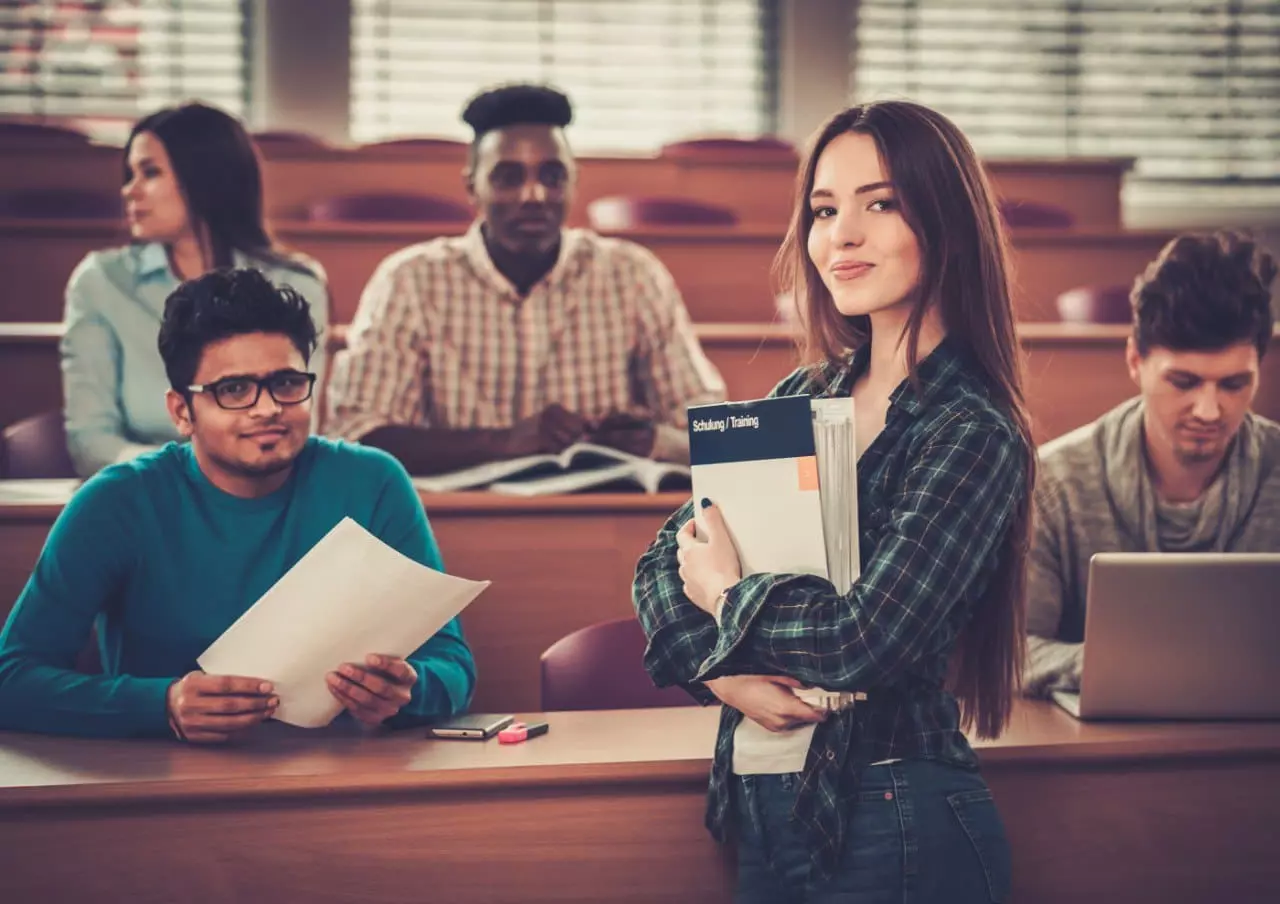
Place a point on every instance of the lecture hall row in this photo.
(1073, 259)
(713, 211)
(585, 813)
(1075, 369)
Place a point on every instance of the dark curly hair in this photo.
(1204, 293)
(224, 303)
(511, 105)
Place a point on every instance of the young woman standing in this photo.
(897, 259)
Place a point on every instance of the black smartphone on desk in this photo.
(469, 726)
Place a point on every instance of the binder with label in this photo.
(757, 461)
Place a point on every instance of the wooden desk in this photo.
(30, 372)
(38, 257)
(1074, 372)
(606, 807)
(1088, 188)
(723, 274)
(557, 564)
(1048, 262)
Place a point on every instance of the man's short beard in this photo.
(1195, 455)
(263, 470)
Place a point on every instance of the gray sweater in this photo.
(1093, 495)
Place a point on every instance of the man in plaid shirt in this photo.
(521, 336)
(935, 491)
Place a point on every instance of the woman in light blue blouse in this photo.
(193, 199)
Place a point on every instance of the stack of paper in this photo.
(834, 441)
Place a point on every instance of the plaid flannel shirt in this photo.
(936, 490)
(442, 339)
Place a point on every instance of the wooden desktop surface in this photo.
(607, 807)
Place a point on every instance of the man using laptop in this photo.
(1184, 467)
(165, 552)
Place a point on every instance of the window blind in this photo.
(102, 63)
(638, 72)
(1190, 88)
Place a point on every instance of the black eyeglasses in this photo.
(287, 387)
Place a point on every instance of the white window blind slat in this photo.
(638, 72)
(1190, 88)
(106, 62)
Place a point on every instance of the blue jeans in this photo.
(921, 832)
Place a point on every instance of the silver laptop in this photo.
(1180, 636)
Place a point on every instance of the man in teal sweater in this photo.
(165, 552)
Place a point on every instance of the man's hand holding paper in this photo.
(375, 691)
(333, 633)
(212, 709)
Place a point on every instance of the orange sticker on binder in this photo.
(808, 470)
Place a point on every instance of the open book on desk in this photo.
(582, 466)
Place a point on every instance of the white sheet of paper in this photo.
(349, 596)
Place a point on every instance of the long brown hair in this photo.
(218, 172)
(964, 269)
